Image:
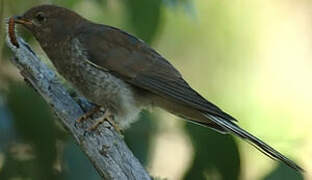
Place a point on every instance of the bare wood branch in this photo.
(105, 148)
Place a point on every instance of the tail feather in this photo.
(260, 145)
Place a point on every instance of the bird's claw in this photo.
(108, 116)
(88, 114)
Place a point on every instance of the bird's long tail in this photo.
(260, 145)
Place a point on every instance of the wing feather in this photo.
(135, 62)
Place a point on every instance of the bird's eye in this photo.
(40, 17)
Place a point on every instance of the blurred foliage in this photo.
(144, 17)
(67, 3)
(282, 172)
(139, 136)
(7, 132)
(35, 128)
(209, 147)
(76, 164)
(35, 148)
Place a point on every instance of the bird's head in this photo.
(49, 21)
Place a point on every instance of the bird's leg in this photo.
(108, 116)
(89, 114)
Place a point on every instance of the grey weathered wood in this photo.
(105, 148)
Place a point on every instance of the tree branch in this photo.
(105, 148)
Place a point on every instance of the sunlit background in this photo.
(253, 58)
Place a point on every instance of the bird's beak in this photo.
(22, 20)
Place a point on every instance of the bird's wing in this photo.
(132, 60)
(135, 62)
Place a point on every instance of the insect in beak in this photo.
(11, 31)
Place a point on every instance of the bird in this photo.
(116, 70)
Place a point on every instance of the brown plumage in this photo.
(115, 69)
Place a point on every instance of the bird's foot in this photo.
(88, 114)
(108, 116)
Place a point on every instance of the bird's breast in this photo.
(97, 85)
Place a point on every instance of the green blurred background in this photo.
(252, 58)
